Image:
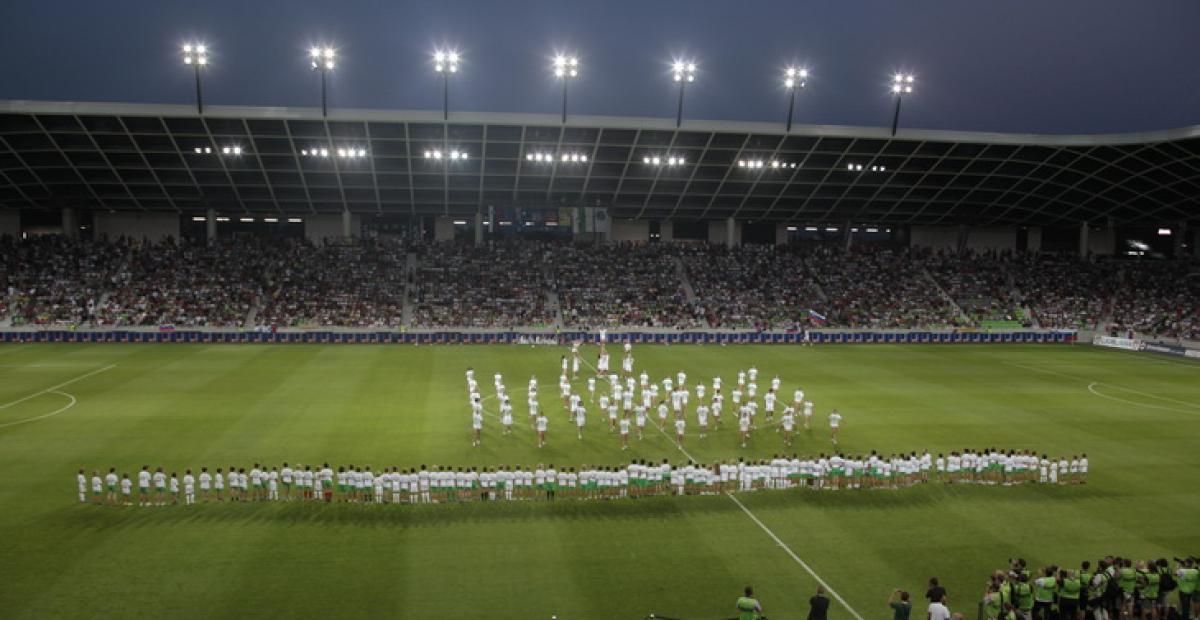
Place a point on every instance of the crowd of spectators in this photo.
(751, 286)
(504, 285)
(879, 287)
(1160, 299)
(1063, 291)
(252, 282)
(980, 283)
(627, 285)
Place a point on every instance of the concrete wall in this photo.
(320, 227)
(136, 225)
(1033, 239)
(1101, 241)
(935, 237)
(946, 238)
(630, 230)
(443, 228)
(717, 232)
(781, 234)
(10, 222)
(992, 238)
(666, 230)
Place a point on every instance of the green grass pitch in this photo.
(1136, 416)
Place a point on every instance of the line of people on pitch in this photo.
(428, 484)
(1113, 588)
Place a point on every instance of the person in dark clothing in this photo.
(818, 605)
(935, 593)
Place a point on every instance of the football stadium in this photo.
(388, 311)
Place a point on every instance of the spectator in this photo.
(939, 610)
(899, 604)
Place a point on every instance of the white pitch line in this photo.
(1092, 388)
(55, 387)
(764, 528)
(795, 557)
(45, 415)
(1111, 385)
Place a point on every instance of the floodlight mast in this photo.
(682, 72)
(565, 68)
(902, 83)
(321, 59)
(445, 62)
(793, 78)
(196, 55)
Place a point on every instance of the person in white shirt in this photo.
(476, 428)
(506, 417)
(602, 362)
(111, 482)
(144, 486)
(938, 610)
(663, 412)
(702, 419)
(624, 432)
(744, 427)
(627, 364)
(775, 383)
(680, 424)
(788, 422)
(753, 373)
(640, 420)
(126, 490)
(81, 483)
(97, 488)
(591, 386)
(542, 424)
(189, 488)
(769, 404)
(835, 422)
(580, 420)
(174, 488)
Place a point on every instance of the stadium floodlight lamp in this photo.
(295, 220)
(271, 220)
(246, 219)
(683, 72)
(902, 84)
(195, 55)
(795, 78)
(565, 68)
(445, 61)
(321, 60)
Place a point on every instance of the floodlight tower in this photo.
(196, 56)
(445, 62)
(684, 73)
(793, 78)
(321, 60)
(566, 68)
(902, 84)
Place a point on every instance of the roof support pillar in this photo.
(1083, 240)
(210, 226)
(70, 224)
(849, 236)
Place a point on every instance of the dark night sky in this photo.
(1047, 66)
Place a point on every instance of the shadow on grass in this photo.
(106, 518)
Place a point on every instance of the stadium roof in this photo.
(166, 157)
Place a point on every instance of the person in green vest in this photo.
(1127, 581)
(1068, 595)
(1188, 576)
(1044, 588)
(748, 607)
(1085, 579)
(992, 603)
(1148, 580)
(1023, 592)
(899, 604)
(1004, 583)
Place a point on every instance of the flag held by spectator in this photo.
(814, 315)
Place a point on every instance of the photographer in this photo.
(899, 604)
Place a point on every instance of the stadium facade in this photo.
(164, 170)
